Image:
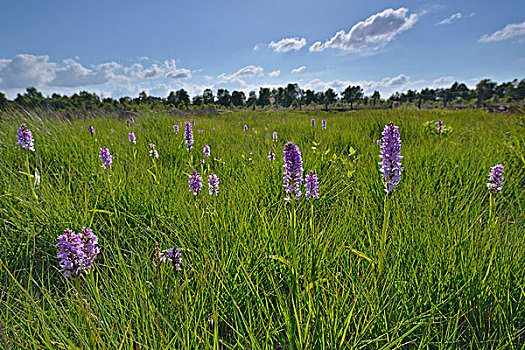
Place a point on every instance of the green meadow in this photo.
(436, 264)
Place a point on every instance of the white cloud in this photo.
(168, 69)
(73, 74)
(316, 47)
(69, 76)
(274, 74)
(373, 33)
(452, 18)
(386, 85)
(298, 70)
(510, 30)
(26, 70)
(287, 44)
(181, 73)
(257, 47)
(238, 76)
(443, 80)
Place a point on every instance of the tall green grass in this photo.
(258, 273)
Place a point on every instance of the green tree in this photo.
(264, 97)
(329, 97)
(223, 97)
(207, 97)
(3, 100)
(352, 94)
(238, 98)
(376, 96)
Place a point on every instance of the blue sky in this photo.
(123, 47)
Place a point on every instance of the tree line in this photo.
(291, 96)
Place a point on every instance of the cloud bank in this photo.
(511, 30)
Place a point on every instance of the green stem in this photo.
(386, 220)
(29, 177)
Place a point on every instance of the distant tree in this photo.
(352, 94)
(375, 97)
(207, 97)
(309, 97)
(519, 90)
(3, 100)
(179, 98)
(485, 89)
(197, 100)
(291, 94)
(125, 100)
(252, 99)
(238, 98)
(223, 97)
(264, 97)
(329, 97)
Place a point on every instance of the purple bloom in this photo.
(275, 136)
(271, 156)
(174, 256)
(195, 183)
(265, 129)
(255, 132)
(132, 119)
(132, 138)
(496, 178)
(313, 122)
(213, 129)
(203, 161)
(24, 137)
(77, 251)
(213, 184)
(312, 185)
(323, 123)
(176, 128)
(206, 151)
(391, 156)
(91, 130)
(440, 126)
(245, 127)
(82, 127)
(90, 241)
(193, 122)
(188, 136)
(127, 123)
(105, 157)
(153, 152)
(293, 171)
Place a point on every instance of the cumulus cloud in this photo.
(181, 73)
(511, 30)
(443, 80)
(26, 70)
(274, 74)
(73, 74)
(239, 76)
(168, 69)
(372, 33)
(288, 44)
(246, 72)
(316, 47)
(452, 18)
(298, 70)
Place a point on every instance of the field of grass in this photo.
(437, 264)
